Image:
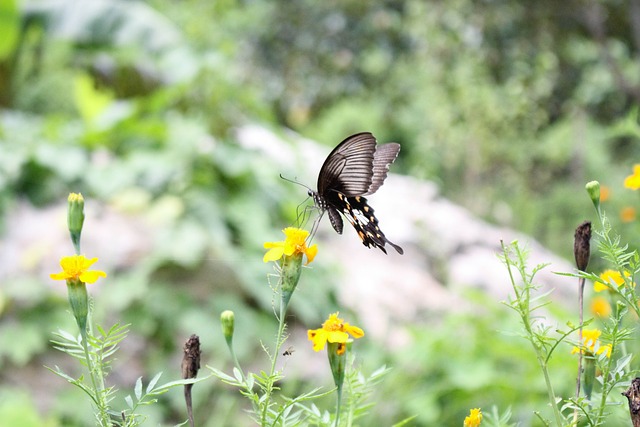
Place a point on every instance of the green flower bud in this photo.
(337, 353)
(589, 375)
(75, 218)
(593, 188)
(291, 270)
(79, 301)
(227, 320)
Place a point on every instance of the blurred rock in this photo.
(447, 250)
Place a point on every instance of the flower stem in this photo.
(522, 306)
(279, 341)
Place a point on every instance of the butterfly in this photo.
(357, 167)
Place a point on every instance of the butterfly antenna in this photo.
(295, 181)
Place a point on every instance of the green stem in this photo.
(338, 404)
(523, 308)
(274, 359)
(98, 386)
(581, 304)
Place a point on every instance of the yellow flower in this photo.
(633, 181)
(294, 243)
(334, 330)
(605, 193)
(474, 418)
(76, 267)
(610, 277)
(590, 339)
(600, 307)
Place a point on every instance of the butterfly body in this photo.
(357, 167)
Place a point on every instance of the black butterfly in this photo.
(355, 168)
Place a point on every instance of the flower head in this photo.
(633, 181)
(334, 330)
(76, 268)
(600, 307)
(294, 243)
(590, 342)
(609, 278)
(474, 418)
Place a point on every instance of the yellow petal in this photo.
(337, 336)
(92, 276)
(59, 276)
(319, 339)
(353, 330)
(311, 253)
(273, 254)
(269, 245)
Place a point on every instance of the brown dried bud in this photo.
(633, 395)
(190, 367)
(191, 358)
(581, 245)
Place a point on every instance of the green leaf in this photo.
(138, 388)
(153, 382)
(9, 27)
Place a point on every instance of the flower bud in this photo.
(75, 218)
(337, 353)
(79, 301)
(593, 188)
(291, 270)
(227, 320)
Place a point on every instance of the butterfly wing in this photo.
(383, 157)
(356, 167)
(349, 167)
(363, 219)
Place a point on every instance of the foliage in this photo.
(509, 107)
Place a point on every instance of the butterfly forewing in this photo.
(348, 168)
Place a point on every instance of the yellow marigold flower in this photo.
(295, 242)
(633, 181)
(610, 277)
(334, 330)
(589, 339)
(474, 419)
(605, 193)
(76, 267)
(600, 307)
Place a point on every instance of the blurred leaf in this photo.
(9, 27)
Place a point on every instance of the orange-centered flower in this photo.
(294, 243)
(76, 267)
(333, 330)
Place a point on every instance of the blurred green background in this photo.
(509, 106)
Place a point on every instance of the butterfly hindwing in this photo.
(364, 221)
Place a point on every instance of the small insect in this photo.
(289, 351)
(357, 167)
